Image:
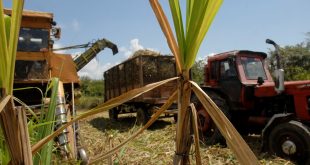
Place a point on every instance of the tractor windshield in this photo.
(253, 68)
(32, 40)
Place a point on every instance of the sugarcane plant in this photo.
(189, 36)
(16, 131)
(199, 16)
(13, 121)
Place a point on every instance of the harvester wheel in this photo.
(82, 155)
(210, 133)
(142, 116)
(113, 114)
(290, 140)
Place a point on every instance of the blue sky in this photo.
(131, 24)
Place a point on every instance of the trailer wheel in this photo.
(290, 140)
(113, 114)
(210, 133)
(142, 116)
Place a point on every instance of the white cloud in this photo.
(134, 46)
(94, 69)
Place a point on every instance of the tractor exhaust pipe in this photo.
(279, 72)
(277, 51)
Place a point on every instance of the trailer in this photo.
(137, 72)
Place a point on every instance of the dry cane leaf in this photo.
(101, 108)
(234, 140)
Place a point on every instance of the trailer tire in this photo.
(142, 116)
(290, 140)
(211, 135)
(113, 114)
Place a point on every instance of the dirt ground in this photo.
(155, 145)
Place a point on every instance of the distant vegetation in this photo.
(92, 93)
(295, 60)
(197, 71)
(90, 87)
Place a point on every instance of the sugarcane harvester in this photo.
(36, 63)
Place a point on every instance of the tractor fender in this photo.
(275, 120)
(300, 125)
(207, 89)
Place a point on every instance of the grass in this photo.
(155, 145)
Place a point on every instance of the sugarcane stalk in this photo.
(16, 133)
(183, 138)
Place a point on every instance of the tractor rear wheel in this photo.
(211, 134)
(290, 140)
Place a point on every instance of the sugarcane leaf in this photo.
(14, 34)
(46, 126)
(234, 140)
(207, 16)
(178, 22)
(4, 102)
(165, 26)
(189, 7)
(101, 108)
(3, 48)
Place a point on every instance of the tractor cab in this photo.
(238, 74)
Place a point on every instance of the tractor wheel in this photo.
(142, 116)
(290, 140)
(210, 133)
(113, 114)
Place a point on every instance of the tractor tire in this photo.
(211, 135)
(142, 116)
(113, 114)
(290, 140)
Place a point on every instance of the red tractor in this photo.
(240, 83)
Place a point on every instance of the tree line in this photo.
(90, 87)
(295, 60)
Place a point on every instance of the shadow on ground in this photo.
(124, 124)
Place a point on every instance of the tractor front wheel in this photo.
(290, 140)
